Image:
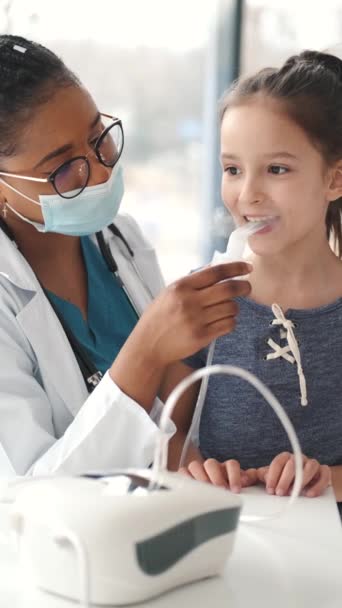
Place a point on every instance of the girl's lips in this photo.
(268, 227)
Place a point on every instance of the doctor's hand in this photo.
(191, 312)
(225, 474)
(185, 317)
(278, 477)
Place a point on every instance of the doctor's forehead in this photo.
(65, 118)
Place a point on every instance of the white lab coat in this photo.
(48, 421)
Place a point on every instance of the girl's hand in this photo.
(225, 474)
(278, 477)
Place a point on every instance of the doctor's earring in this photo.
(4, 210)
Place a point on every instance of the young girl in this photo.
(281, 153)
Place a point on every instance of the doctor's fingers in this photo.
(220, 311)
(210, 275)
(223, 292)
(218, 328)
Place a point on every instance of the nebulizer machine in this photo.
(128, 536)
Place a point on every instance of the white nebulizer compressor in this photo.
(127, 536)
(112, 540)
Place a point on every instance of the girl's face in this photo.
(272, 172)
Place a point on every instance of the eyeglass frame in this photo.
(51, 178)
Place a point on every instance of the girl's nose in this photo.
(251, 193)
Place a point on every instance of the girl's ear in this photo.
(334, 190)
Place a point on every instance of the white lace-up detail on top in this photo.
(290, 352)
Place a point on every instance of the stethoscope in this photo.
(92, 376)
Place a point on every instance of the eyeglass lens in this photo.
(72, 177)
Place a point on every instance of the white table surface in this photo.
(291, 562)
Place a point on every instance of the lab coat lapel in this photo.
(136, 290)
(147, 266)
(40, 324)
(57, 361)
(141, 275)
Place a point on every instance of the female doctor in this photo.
(82, 346)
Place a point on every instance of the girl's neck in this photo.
(303, 277)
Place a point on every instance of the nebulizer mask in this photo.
(130, 535)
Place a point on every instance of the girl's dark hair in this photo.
(30, 74)
(309, 87)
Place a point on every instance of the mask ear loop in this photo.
(37, 225)
(161, 450)
(20, 194)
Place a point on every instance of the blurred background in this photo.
(161, 67)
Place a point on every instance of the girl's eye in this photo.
(232, 170)
(278, 170)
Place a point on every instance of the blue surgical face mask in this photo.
(89, 212)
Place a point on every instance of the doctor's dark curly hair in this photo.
(308, 88)
(30, 74)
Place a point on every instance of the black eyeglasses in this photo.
(72, 176)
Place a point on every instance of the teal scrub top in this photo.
(111, 317)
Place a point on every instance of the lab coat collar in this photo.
(14, 267)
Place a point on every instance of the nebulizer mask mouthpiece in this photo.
(237, 243)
